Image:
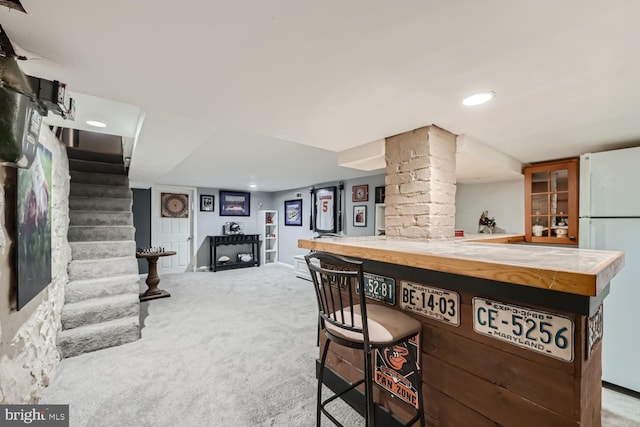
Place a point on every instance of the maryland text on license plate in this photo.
(380, 288)
(436, 303)
(539, 331)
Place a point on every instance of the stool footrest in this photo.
(336, 396)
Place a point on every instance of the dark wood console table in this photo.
(152, 278)
(234, 239)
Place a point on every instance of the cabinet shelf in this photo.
(551, 202)
(268, 227)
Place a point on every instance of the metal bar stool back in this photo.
(347, 320)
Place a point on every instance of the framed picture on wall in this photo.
(174, 205)
(293, 212)
(33, 249)
(380, 194)
(235, 203)
(360, 193)
(360, 216)
(206, 203)
(324, 206)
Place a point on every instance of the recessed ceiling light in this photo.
(478, 98)
(96, 123)
(252, 186)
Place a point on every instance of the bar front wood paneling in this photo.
(473, 379)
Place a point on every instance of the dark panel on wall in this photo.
(142, 222)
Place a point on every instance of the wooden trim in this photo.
(588, 284)
(500, 239)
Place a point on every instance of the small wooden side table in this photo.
(152, 278)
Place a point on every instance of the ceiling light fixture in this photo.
(478, 98)
(252, 186)
(96, 124)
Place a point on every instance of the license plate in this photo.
(545, 333)
(380, 288)
(435, 303)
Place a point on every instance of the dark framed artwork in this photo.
(174, 205)
(324, 207)
(360, 193)
(360, 216)
(235, 203)
(206, 203)
(380, 194)
(34, 227)
(293, 212)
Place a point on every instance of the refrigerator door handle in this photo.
(584, 209)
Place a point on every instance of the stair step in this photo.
(100, 204)
(92, 233)
(73, 342)
(89, 166)
(79, 177)
(99, 190)
(100, 218)
(102, 249)
(98, 268)
(94, 156)
(80, 290)
(100, 310)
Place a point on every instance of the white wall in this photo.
(504, 200)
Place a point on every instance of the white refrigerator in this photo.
(610, 219)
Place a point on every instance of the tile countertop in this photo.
(577, 271)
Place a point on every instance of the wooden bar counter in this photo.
(511, 332)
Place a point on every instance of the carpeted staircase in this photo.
(101, 299)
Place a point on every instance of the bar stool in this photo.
(347, 320)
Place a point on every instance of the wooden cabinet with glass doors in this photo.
(551, 202)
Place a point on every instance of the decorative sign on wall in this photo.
(396, 370)
(34, 227)
(539, 331)
(435, 303)
(174, 205)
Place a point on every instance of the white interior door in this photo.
(172, 234)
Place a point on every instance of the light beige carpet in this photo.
(234, 348)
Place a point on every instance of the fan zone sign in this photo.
(396, 370)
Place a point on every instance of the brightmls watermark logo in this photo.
(34, 415)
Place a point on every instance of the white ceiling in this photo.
(268, 92)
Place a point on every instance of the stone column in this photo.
(421, 184)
